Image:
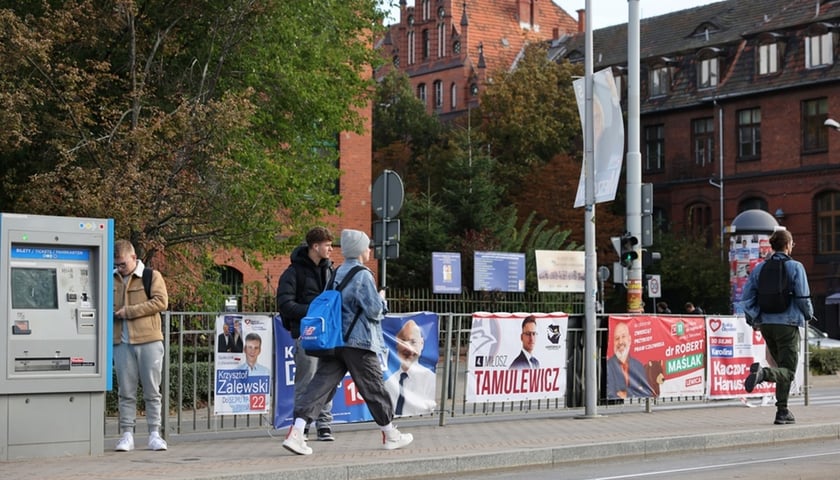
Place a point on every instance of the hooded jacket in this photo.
(292, 299)
(800, 310)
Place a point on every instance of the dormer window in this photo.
(819, 47)
(708, 68)
(767, 54)
(705, 29)
(659, 83)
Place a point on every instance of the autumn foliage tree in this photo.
(195, 125)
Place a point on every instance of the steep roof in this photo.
(729, 26)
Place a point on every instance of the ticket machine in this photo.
(55, 345)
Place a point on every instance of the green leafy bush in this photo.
(824, 361)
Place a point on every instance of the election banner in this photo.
(517, 356)
(243, 364)
(732, 347)
(348, 404)
(413, 352)
(653, 356)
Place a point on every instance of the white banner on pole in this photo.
(609, 136)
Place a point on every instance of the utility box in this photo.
(55, 366)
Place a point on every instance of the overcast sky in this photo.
(604, 12)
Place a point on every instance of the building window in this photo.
(618, 79)
(828, 223)
(749, 134)
(698, 221)
(426, 44)
(411, 48)
(441, 43)
(438, 94)
(819, 50)
(707, 75)
(421, 92)
(703, 140)
(427, 9)
(814, 133)
(768, 58)
(453, 95)
(660, 80)
(655, 148)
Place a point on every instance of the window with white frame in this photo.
(438, 94)
(427, 9)
(453, 95)
(426, 44)
(660, 81)
(707, 74)
(819, 50)
(421, 92)
(411, 48)
(768, 58)
(441, 41)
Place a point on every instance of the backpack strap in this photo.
(340, 287)
(147, 281)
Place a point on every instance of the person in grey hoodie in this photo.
(360, 354)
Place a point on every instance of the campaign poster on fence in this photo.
(348, 404)
(652, 356)
(517, 356)
(413, 352)
(732, 347)
(243, 364)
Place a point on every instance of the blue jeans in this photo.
(139, 364)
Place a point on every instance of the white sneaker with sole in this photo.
(295, 442)
(156, 443)
(394, 439)
(125, 443)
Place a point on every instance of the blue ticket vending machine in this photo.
(55, 365)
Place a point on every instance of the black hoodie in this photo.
(298, 285)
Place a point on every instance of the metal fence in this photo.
(188, 383)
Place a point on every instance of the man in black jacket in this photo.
(307, 276)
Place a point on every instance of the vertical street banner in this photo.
(417, 352)
(517, 356)
(732, 347)
(243, 364)
(608, 144)
(652, 356)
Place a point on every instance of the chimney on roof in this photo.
(581, 20)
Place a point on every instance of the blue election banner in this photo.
(348, 405)
(446, 272)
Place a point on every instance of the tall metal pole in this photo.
(591, 259)
(634, 158)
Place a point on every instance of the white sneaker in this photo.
(126, 443)
(156, 443)
(295, 442)
(394, 439)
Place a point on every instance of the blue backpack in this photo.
(320, 329)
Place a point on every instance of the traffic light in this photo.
(628, 250)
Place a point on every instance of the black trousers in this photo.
(366, 371)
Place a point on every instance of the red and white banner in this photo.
(652, 356)
(517, 356)
(733, 347)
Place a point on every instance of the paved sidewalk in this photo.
(465, 444)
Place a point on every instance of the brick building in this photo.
(734, 96)
(450, 48)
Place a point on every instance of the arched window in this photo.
(752, 203)
(453, 95)
(698, 221)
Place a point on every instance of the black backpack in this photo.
(774, 292)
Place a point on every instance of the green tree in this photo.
(530, 114)
(195, 125)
